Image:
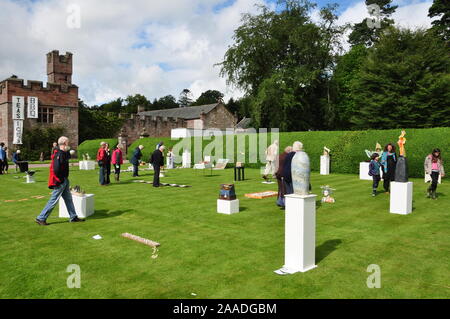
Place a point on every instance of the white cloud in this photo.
(149, 47)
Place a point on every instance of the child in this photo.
(374, 171)
(434, 167)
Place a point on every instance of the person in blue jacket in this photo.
(2, 157)
(137, 154)
(374, 171)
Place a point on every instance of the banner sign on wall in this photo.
(32, 107)
(18, 108)
(18, 131)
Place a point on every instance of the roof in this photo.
(187, 113)
(244, 123)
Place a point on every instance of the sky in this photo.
(150, 47)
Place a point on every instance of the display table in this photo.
(401, 198)
(324, 165)
(87, 165)
(237, 173)
(300, 234)
(84, 206)
(364, 171)
(228, 207)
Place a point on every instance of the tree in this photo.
(185, 98)
(344, 77)
(367, 35)
(282, 61)
(441, 8)
(165, 102)
(113, 106)
(133, 101)
(209, 97)
(404, 82)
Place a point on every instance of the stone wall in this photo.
(219, 118)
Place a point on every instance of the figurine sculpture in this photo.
(326, 151)
(327, 191)
(401, 169)
(378, 150)
(227, 192)
(271, 158)
(300, 170)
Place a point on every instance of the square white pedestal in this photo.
(86, 165)
(324, 165)
(401, 198)
(30, 179)
(364, 171)
(84, 206)
(228, 206)
(300, 233)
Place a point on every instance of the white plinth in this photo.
(364, 171)
(300, 233)
(228, 206)
(84, 206)
(86, 165)
(324, 165)
(186, 159)
(30, 179)
(401, 198)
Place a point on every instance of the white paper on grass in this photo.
(97, 237)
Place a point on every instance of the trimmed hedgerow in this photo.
(347, 147)
(91, 147)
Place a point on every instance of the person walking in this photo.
(117, 161)
(108, 164)
(5, 161)
(388, 163)
(157, 161)
(59, 181)
(137, 154)
(434, 167)
(102, 162)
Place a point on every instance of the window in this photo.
(45, 115)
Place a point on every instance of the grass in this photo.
(215, 255)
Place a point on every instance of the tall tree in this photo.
(282, 60)
(133, 101)
(367, 32)
(185, 98)
(209, 97)
(165, 102)
(440, 9)
(404, 82)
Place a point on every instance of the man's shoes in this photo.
(41, 222)
(77, 220)
(433, 195)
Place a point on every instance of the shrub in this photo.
(91, 147)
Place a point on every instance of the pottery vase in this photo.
(300, 170)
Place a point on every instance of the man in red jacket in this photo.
(59, 182)
(102, 163)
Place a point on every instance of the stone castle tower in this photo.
(59, 68)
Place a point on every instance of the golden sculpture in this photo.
(401, 143)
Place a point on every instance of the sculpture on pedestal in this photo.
(401, 169)
(271, 158)
(227, 192)
(300, 169)
(326, 151)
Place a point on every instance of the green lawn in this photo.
(215, 255)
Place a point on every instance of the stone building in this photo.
(57, 101)
(159, 123)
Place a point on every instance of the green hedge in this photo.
(347, 147)
(91, 147)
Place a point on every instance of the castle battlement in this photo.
(37, 86)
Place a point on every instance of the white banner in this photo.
(18, 131)
(18, 109)
(32, 107)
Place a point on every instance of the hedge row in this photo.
(347, 147)
(91, 147)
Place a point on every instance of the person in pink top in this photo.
(434, 167)
(117, 160)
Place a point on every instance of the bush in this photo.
(39, 140)
(91, 147)
(347, 147)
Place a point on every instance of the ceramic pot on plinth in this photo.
(300, 169)
(401, 170)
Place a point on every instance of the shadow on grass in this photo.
(100, 214)
(326, 248)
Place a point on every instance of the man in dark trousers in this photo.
(137, 154)
(157, 161)
(102, 159)
(59, 182)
